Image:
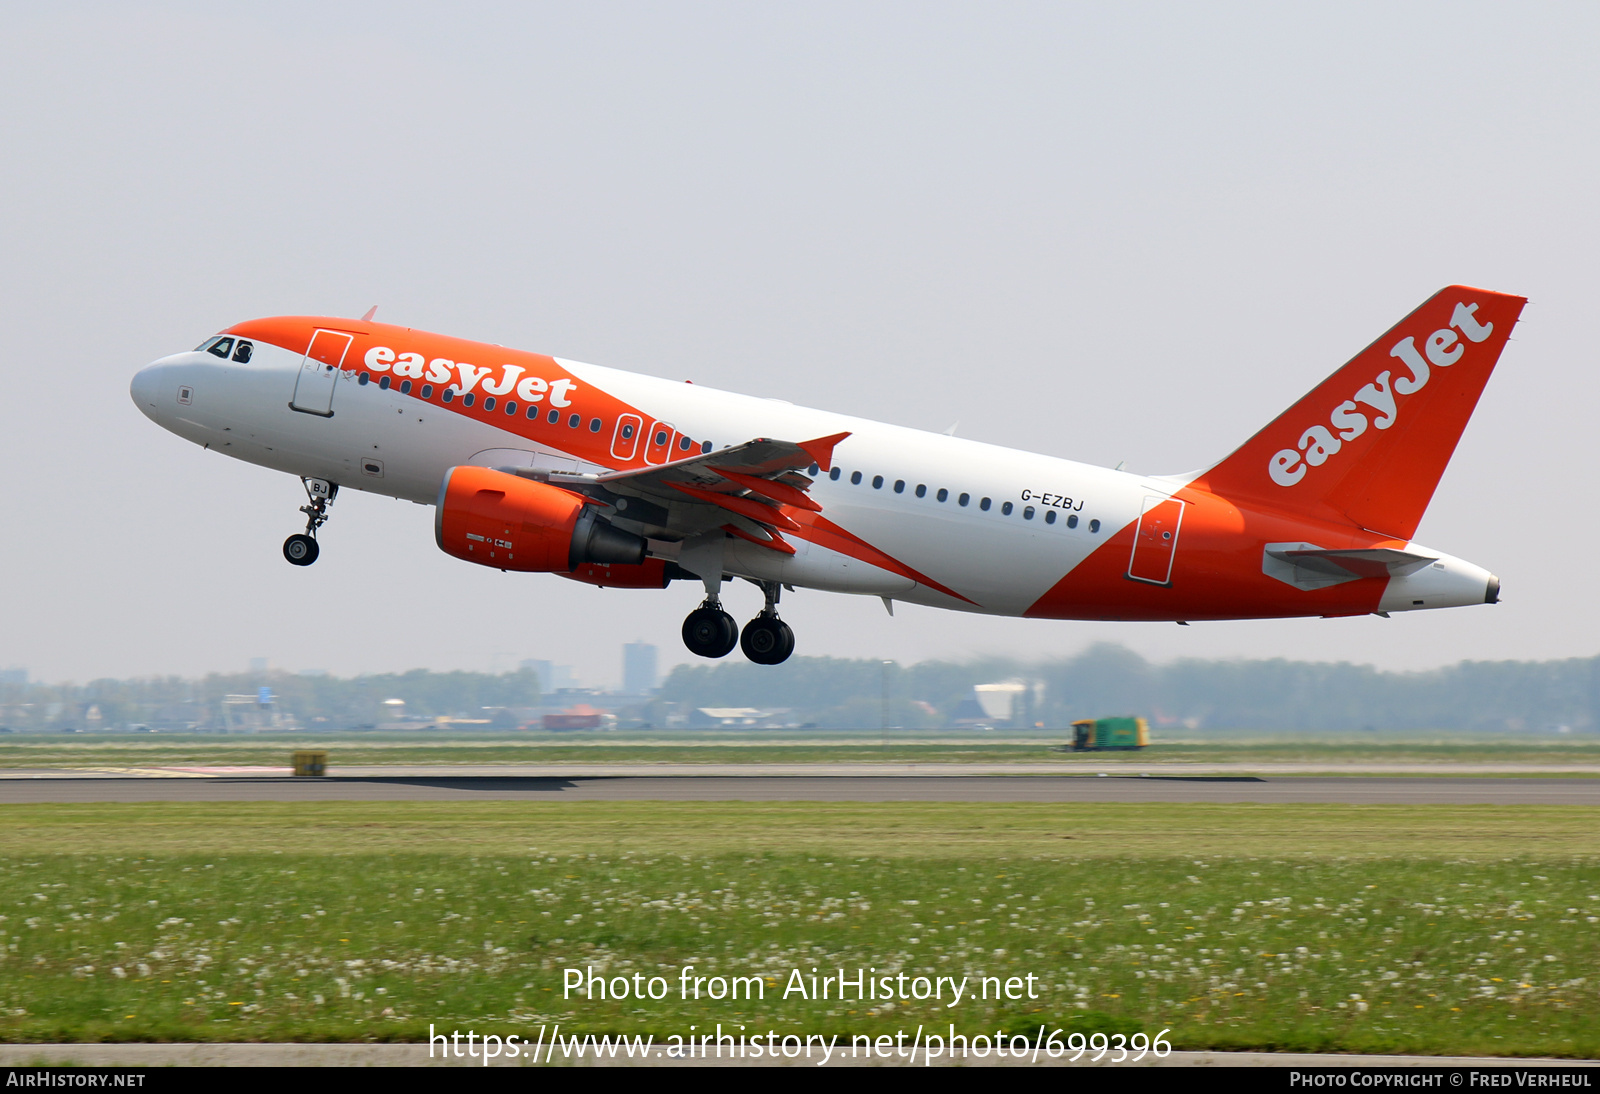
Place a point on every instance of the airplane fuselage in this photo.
(904, 514)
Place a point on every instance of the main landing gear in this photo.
(301, 549)
(709, 631)
(767, 640)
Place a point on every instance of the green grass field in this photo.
(1433, 929)
(124, 750)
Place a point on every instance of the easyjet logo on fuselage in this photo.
(441, 370)
(1318, 444)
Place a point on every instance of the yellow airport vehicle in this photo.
(1110, 734)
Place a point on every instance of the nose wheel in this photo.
(301, 548)
(709, 631)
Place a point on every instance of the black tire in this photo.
(767, 641)
(300, 550)
(788, 643)
(708, 632)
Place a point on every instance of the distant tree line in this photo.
(1108, 680)
(1515, 696)
(171, 702)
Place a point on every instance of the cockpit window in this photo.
(241, 352)
(221, 348)
(208, 343)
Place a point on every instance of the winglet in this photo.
(821, 449)
(370, 313)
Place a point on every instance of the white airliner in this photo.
(545, 465)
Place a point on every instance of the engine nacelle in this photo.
(512, 523)
(654, 573)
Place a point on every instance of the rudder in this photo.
(1369, 444)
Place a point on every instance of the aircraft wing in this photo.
(742, 489)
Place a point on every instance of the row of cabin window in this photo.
(533, 412)
(963, 500)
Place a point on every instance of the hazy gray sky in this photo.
(1107, 232)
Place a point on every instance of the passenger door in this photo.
(319, 371)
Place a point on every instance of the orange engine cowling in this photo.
(511, 523)
(655, 573)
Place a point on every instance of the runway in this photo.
(1442, 790)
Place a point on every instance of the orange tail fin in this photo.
(1369, 444)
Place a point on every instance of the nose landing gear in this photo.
(768, 640)
(301, 549)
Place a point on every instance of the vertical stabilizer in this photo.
(1369, 444)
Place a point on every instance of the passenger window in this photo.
(383, 385)
(1005, 509)
(661, 437)
(684, 443)
(533, 413)
(705, 447)
(241, 352)
(364, 379)
(488, 403)
(1094, 526)
(855, 478)
(405, 389)
(594, 425)
(1072, 520)
(448, 394)
(984, 505)
(922, 491)
(1027, 514)
(943, 494)
(877, 482)
(572, 422)
(899, 486)
(466, 400)
(834, 474)
(554, 417)
(627, 431)
(427, 391)
(223, 347)
(511, 407)
(814, 470)
(1050, 517)
(963, 499)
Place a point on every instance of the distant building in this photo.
(13, 676)
(639, 668)
(552, 677)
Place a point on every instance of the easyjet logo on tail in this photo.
(1381, 397)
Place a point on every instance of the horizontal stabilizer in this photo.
(1307, 566)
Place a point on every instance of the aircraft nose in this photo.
(146, 383)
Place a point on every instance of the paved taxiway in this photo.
(451, 786)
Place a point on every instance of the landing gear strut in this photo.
(768, 640)
(709, 631)
(301, 549)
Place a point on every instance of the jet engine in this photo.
(512, 523)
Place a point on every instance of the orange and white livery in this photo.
(545, 465)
